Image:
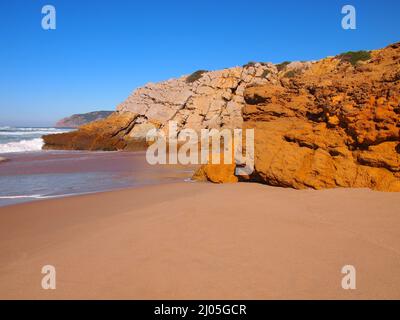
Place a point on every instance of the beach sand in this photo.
(203, 241)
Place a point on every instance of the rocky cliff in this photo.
(78, 120)
(335, 124)
(329, 123)
(203, 99)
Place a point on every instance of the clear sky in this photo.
(102, 50)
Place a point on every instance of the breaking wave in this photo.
(25, 133)
(22, 146)
(24, 139)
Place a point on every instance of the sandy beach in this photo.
(203, 241)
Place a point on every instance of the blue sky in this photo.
(102, 50)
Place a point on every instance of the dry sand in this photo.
(203, 241)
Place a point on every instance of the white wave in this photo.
(28, 129)
(22, 146)
(41, 196)
(33, 196)
(23, 133)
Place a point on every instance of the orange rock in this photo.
(217, 173)
(333, 120)
(107, 134)
(329, 129)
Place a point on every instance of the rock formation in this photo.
(202, 100)
(214, 100)
(77, 120)
(332, 125)
(324, 124)
(108, 134)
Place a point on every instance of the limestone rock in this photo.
(215, 100)
(195, 104)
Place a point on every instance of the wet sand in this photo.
(203, 241)
(49, 174)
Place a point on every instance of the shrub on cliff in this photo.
(253, 63)
(249, 64)
(281, 66)
(355, 56)
(290, 74)
(265, 73)
(195, 76)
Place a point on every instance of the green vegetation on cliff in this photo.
(195, 76)
(355, 56)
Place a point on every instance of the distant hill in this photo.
(77, 120)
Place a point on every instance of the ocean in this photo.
(23, 139)
(32, 174)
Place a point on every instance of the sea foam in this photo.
(24, 139)
(22, 146)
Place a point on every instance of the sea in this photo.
(31, 173)
(22, 139)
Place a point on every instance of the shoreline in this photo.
(50, 174)
(203, 241)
